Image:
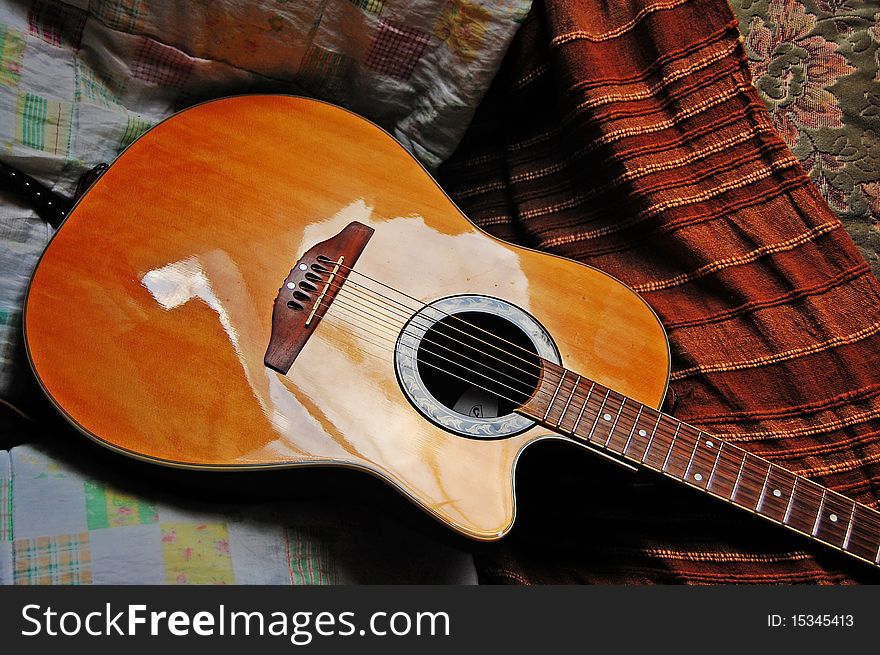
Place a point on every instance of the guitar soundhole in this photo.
(478, 364)
(467, 362)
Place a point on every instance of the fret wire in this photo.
(632, 432)
(738, 476)
(853, 531)
(616, 419)
(790, 500)
(565, 409)
(583, 407)
(763, 488)
(714, 466)
(671, 446)
(852, 528)
(651, 440)
(819, 515)
(598, 415)
(849, 527)
(553, 399)
(693, 452)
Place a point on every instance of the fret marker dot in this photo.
(833, 518)
(607, 417)
(709, 444)
(698, 477)
(642, 433)
(777, 493)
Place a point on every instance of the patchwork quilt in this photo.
(65, 520)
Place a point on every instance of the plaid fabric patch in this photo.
(161, 64)
(372, 6)
(5, 510)
(117, 14)
(106, 508)
(326, 70)
(308, 557)
(64, 559)
(462, 26)
(56, 23)
(133, 129)
(91, 88)
(320, 62)
(396, 49)
(43, 124)
(196, 553)
(11, 55)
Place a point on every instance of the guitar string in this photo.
(437, 326)
(736, 465)
(701, 457)
(696, 452)
(421, 305)
(413, 319)
(720, 463)
(442, 327)
(711, 461)
(623, 415)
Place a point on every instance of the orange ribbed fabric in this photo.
(628, 136)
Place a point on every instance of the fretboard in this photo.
(580, 408)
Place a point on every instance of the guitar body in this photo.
(149, 315)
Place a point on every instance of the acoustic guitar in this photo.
(270, 281)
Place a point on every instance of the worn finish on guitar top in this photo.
(150, 313)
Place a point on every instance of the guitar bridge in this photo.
(309, 290)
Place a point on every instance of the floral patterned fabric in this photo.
(816, 64)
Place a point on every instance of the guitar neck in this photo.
(571, 404)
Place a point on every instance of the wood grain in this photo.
(150, 312)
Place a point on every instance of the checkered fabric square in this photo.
(43, 124)
(326, 73)
(372, 6)
(63, 559)
(56, 23)
(161, 64)
(92, 87)
(309, 559)
(133, 129)
(117, 14)
(396, 49)
(320, 62)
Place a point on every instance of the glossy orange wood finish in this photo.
(150, 312)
